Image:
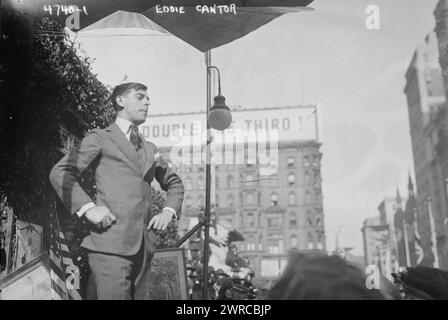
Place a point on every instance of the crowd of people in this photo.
(323, 277)
(221, 286)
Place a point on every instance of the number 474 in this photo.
(63, 8)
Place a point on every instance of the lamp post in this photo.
(207, 180)
(218, 117)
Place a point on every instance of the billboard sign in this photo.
(291, 123)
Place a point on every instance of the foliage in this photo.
(41, 77)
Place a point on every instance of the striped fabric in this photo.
(60, 262)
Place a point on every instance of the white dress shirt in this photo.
(125, 127)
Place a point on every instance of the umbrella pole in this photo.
(207, 179)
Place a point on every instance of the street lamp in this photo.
(219, 115)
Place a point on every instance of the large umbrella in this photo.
(204, 31)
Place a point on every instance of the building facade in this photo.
(276, 212)
(426, 104)
(391, 239)
(441, 31)
(440, 125)
(389, 209)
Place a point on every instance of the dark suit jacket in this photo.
(123, 185)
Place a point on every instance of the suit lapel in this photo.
(117, 136)
(149, 156)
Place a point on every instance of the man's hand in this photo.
(100, 216)
(161, 221)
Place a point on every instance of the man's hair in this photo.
(321, 277)
(123, 89)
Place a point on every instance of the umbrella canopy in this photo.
(204, 31)
(126, 19)
(124, 23)
(208, 31)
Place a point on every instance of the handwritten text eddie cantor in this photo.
(214, 9)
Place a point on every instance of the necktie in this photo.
(134, 137)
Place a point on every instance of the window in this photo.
(307, 178)
(201, 169)
(308, 197)
(292, 199)
(200, 201)
(188, 202)
(201, 183)
(310, 241)
(306, 161)
(320, 242)
(249, 180)
(216, 182)
(275, 220)
(318, 222)
(315, 160)
(274, 199)
(216, 200)
(250, 244)
(188, 183)
(293, 219)
(260, 242)
(291, 161)
(291, 179)
(309, 220)
(230, 183)
(250, 199)
(275, 243)
(230, 200)
(294, 242)
(250, 220)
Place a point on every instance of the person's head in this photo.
(321, 277)
(131, 101)
(225, 291)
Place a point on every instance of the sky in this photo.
(325, 57)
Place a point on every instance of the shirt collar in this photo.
(123, 124)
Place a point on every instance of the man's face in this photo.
(135, 105)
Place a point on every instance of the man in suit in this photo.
(121, 242)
